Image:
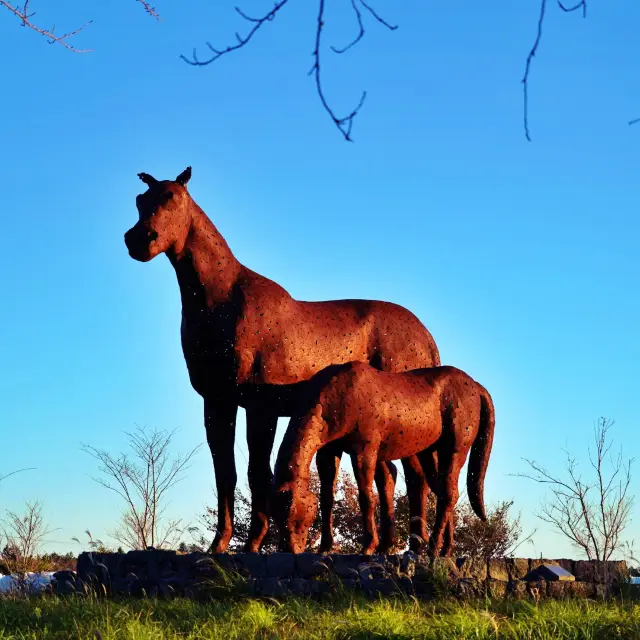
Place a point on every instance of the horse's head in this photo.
(164, 217)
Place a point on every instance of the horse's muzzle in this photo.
(138, 240)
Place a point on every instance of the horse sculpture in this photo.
(376, 416)
(248, 343)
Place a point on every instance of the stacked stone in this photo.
(169, 573)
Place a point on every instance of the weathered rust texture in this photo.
(248, 343)
(438, 414)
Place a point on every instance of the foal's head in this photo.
(164, 217)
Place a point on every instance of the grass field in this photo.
(342, 617)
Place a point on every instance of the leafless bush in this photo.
(143, 480)
(592, 513)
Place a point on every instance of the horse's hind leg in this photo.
(447, 545)
(385, 478)
(418, 494)
(449, 465)
(364, 467)
(328, 464)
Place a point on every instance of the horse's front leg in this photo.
(261, 430)
(220, 426)
(328, 464)
(364, 467)
(385, 478)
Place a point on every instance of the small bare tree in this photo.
(142, 481)
(23, 537)
(592, 513)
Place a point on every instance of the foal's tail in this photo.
(480, 452)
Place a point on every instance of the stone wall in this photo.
(168, 573)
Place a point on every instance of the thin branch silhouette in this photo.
(242, 41)
(534, 49)
(52, 37)
(149, 9)
(344, 124)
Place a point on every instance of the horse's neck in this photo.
(206, 268)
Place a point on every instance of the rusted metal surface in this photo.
(248, 343)
(438, 414)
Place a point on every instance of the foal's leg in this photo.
(296, 506)
(418, 494)
(220, 426)
(364, 467)
(261, 430)
(385, 478)
(328, 463)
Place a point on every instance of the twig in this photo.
(525, 80)
(50, 34)
(582, 3)
(344, 124)
(242, 41)
(361, 32)
(149, 9)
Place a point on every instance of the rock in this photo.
(496, 588)
(407, 564)
(344, 565)
(308, 565)
(252, 564)
(384, 586)
(469, 588)
(579, 589)
(475, 568)
(497, 569)
(280, 565)
(584, 570)
(371, 571)
(517, 568)
(611, 572)
(273, 588)
(517, 589)
(558, 589)
(300, 587)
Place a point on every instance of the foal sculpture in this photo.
(376, 416)
(248, 343)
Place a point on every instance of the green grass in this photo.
(341, 618)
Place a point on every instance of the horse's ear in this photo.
(147, 179)
(184, 177)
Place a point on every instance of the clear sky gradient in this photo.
(521, 258)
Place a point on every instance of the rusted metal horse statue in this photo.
(248, 343)
(376, 416)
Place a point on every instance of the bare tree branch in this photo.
(242, 41)
(582, 3)
(344, 124)
(361, 32)
(149, 9)
(533, 51)
(50, 34)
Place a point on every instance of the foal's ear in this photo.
(184, 177)
(147, 179)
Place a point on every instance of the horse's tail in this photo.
(480, 452)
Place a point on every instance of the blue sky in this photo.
(521, 258)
